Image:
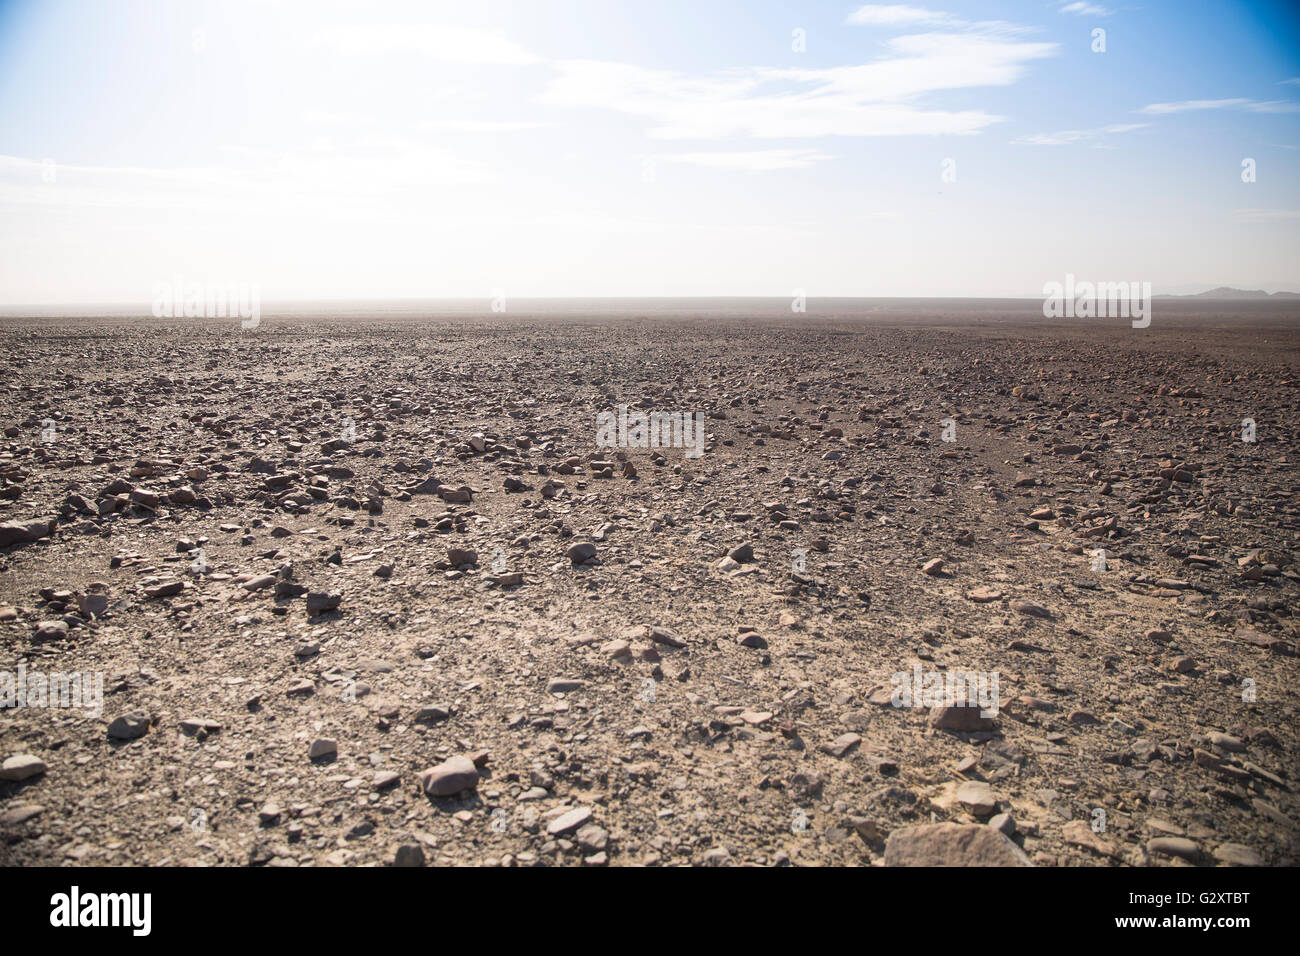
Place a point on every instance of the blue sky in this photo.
(341, 150)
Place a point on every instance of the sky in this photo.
(330, 150)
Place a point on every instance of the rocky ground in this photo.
(367, 591)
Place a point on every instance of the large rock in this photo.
(450, 777)
(318, 602)
(961, 718)
(580, 552)
(92, 603)
(21, 766)
(24, 532)
(952, 844)
(51, 631)
(130, 726)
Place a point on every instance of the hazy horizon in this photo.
(943, 310)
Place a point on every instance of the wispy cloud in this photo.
(481, 126)
(1232, 103)
(451, 44)
(1080, 9)
(897, 14)
(1066, 137)
(364, 172)
(874, 99)
(752, 161)
(902, 16)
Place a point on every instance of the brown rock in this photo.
(952, 844)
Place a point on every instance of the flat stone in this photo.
(1234, 854)
(841, 745)
(952, 844)
(1225, 742)
(1079, 833)
(571, 820)
(21, 767)
(561, 685)
(1174, 846)
(1259, 639)
(1030, 609)
(666, 636)
(433, 713)
(977, 797)
(24, 532)
(20, 813)
(93, 604)
(193, 725)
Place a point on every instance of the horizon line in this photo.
(146, 305)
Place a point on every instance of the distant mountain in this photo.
(1227, 292)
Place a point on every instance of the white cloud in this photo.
(1067, 137)
(481, 126)
(901, 15)
(451, 44)
(1078, 8)
(753, 161)
(1233, 103)
(873, 99)
(319, 175)
(896, 14)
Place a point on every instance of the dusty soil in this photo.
(1147, 712)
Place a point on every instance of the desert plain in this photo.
(360, 587)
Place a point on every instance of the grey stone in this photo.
(130, 726)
